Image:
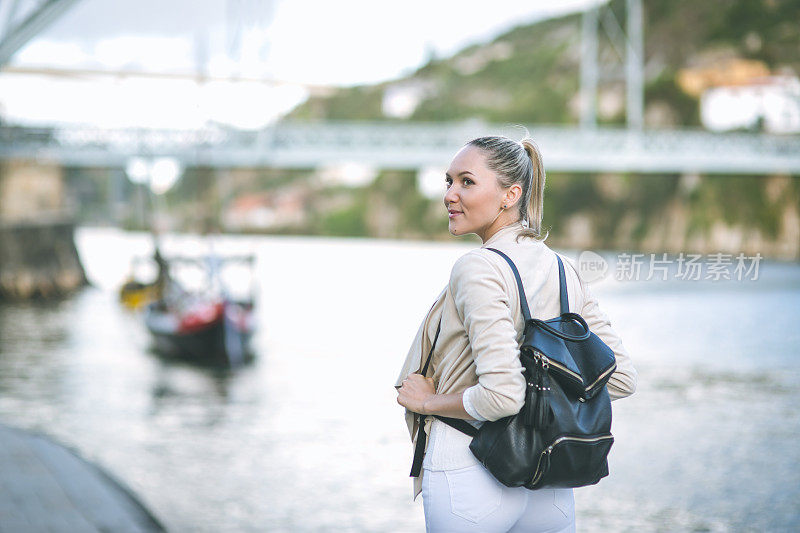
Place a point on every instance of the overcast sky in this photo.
(342, 42)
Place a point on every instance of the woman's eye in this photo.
(468, 181)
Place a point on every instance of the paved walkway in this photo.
(46, 488)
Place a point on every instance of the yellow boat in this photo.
(134, 294)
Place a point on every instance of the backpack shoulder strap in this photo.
(461, 425)
(562, 283)
(523, 300)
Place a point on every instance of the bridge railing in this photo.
(409, 145)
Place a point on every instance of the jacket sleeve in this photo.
(482, 304)
(622, 382)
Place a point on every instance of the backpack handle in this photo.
(566, 317)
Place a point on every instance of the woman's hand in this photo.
(416, 390)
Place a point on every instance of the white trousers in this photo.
(472, 500)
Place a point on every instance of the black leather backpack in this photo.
(562, 435)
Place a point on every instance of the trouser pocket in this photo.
(474, 493)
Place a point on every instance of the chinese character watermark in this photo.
(684, 266)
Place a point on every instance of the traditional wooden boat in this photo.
(208, 327)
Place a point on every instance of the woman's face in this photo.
(474, 198)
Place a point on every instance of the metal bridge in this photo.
(407, 146)
(588, 148)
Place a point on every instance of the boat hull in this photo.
(222, 342)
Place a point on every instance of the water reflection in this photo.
(34, 348)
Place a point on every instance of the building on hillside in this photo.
(401, 100)
(769, 103)
(264, 211)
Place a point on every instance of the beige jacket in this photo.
(482, 324)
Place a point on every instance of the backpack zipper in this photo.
(601, 376)
(545, 360)
(549, 450)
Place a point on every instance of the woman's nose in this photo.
(450, 195)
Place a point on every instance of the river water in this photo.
(309, 437)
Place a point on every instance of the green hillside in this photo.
(530, 75)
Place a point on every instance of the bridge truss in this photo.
(407, 146)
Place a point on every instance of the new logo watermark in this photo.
(592, 266)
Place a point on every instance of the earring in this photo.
(505, 206)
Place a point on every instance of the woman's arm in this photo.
(418, 394)
(482, 303)
(622, 382)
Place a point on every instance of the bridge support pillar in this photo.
(38, 257)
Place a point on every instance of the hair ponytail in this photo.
(533, 206)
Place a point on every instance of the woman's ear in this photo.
(513, 195)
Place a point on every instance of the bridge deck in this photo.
(409, 146)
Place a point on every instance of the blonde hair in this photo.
(520, 163)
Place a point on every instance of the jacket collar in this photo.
(506, 233)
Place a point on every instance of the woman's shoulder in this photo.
(483, 266)
(476, 262)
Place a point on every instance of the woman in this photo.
(495, 189)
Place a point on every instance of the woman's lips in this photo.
(452, 213)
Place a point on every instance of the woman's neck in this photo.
(495, 227)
